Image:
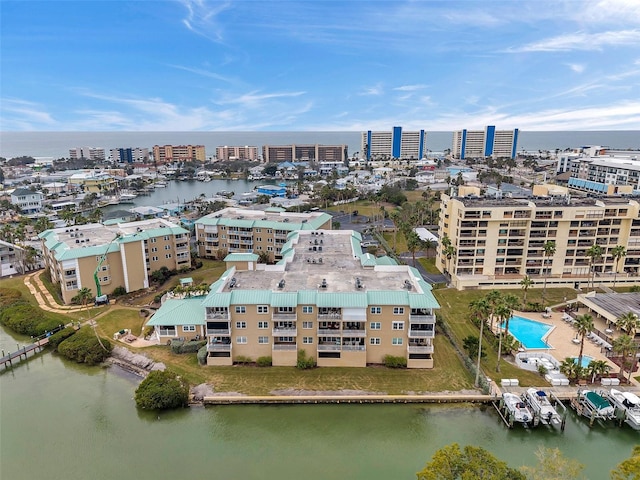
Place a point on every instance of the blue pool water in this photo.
(529, 332)
(586, 360)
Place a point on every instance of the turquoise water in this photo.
(529, 332)
(586, 360)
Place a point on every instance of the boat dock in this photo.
(36, 347)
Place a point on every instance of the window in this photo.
(241, 309)
(398, 310)
(307, 325)
(241, 324)
(263, 340)
(258, 230)
(241, 340)
(154, 240)
(263, 325)
(269, 249)
(374, 341)
(155, 259)
(397, 326)
(307, 309)
(263, 308)
(376, 310)
(154, 249)
(307, 340)
(166, 238)
(396, 341)
(168, 255)
(167, 247)
(188, 328)
(258, 239)
(375, 325)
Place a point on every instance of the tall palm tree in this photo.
(503, 313)
(594, 252)
(598, 367)
(618, 253)
(569, 367)
(526, 282)
(450, 253)
(625, 347)
(480, 308)
(549, 251)
(629, 322)
(413, 243)
(493, 297)
(584, 325)
(430, 245)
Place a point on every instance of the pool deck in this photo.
(561, 339)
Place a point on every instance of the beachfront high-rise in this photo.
(485, 143)
(130, 155)
(304, 153)
(169, 153)
(87, 153)
(393, 144)
(237, 153)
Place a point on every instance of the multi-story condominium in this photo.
(394, 144)
(130, 155)
(89, 153)
(29, 202)
(120, 255)
(94, 182)
(604, 174)
(240, 230)
(304, 153)
(11, 259)
(170, 153)
(341, 306)
(497, 242)
(237, 153)
(485, 143)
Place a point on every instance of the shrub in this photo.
(242, 360)
(305, 362)
(22, 317)
(391, 361)
(118, 292)
(157, 299)
(84, 347)
(162, 390)
(264, 361)
(59, 337)
(176, 345)
(9, 296)
(202, 355)
(192, 346)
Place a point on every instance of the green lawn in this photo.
(119, 318)
(429, 264)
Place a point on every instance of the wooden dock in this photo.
(342, 399)
(36, 347)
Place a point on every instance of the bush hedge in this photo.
(394, 362)
(202, 355)
(180, 346)
(22, 317)
(264, 361)
(242, 360)
(305, 362)
(162, 390)
(58, 337)
(84, 347)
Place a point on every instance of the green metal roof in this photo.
(307, 297)
(284, 299)
(241, 257)
(250, 297)
(387, 297)
(222, 299)
(340, 299)
(423, 300)
(385, 260)
(367, 260)
(188, 311)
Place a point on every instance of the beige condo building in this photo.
(499, 241)
(122, 255)
(341, 306)
(170, 153)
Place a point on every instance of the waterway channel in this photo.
(63, 421)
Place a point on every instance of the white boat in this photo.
(629, 403)
(160, 184)
(517, 408)
(593, 405)
(541, 406)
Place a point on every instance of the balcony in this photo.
(420, 349)
(217, 316)
(285, 317)
(354, 348)
(329, 332)
(354, 333)
(329, 316)
(219, 347)
(328, 347)
(421, 333)
(285, 346)
(285, 331)
(422, 318)
(218, 331)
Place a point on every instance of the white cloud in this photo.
(204, 73)
(18, 114)
(374, 90)
(410, 88)
(253, 98)
(582, 41)
(576, 67)
(201, 18)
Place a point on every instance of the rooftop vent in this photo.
(320, 260)
(358, 283)
(77, 241)
(286, 220)
(407, 285)
(324, 283)
(304, 221)
(321, 233)
(233, 282)
(281, 283)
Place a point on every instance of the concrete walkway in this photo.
(43, 296)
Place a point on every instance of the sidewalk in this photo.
(44, 298)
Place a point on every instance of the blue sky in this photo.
(319, 65)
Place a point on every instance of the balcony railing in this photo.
(217, 316)
(285, 346)
(420, 349)
(328, 348)
(168, 333)
(290, 317)
(422, 318)
(354, 348)
(219, 347)
(422, 333)
(218, 331)
(329, 316)
(329, 332)
(285, 331)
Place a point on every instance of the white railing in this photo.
(422, 318)
(422, 333)
(329, 316)
(217, 316)
(167, 333)
(354, 333)
(285, 332)
(286, 347)
(218, 347)
(421, 349)
(353, 348)
(286, 317)
(329, 332)
(329, 347)
(218, 331)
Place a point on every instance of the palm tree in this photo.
(598, 368)
(625, 346)
(617, 252)
(594, 252)
(493, 297)
(629, 322)
(413, 244)
(83, 296)
(449, 252)
(504, 313)
(549, 251)
(569, 368)
(584, 325)
(526, 282)
(480, 308)
(430, 245)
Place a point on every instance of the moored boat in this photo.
(542, 407)
(516, 408)
(629, 403)
(592, 405)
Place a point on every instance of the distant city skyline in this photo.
(198, 65)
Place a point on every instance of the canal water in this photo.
(65, 421)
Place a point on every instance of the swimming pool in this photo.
(529, 333)
(586, 360)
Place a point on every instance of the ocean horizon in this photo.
(57, 144)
